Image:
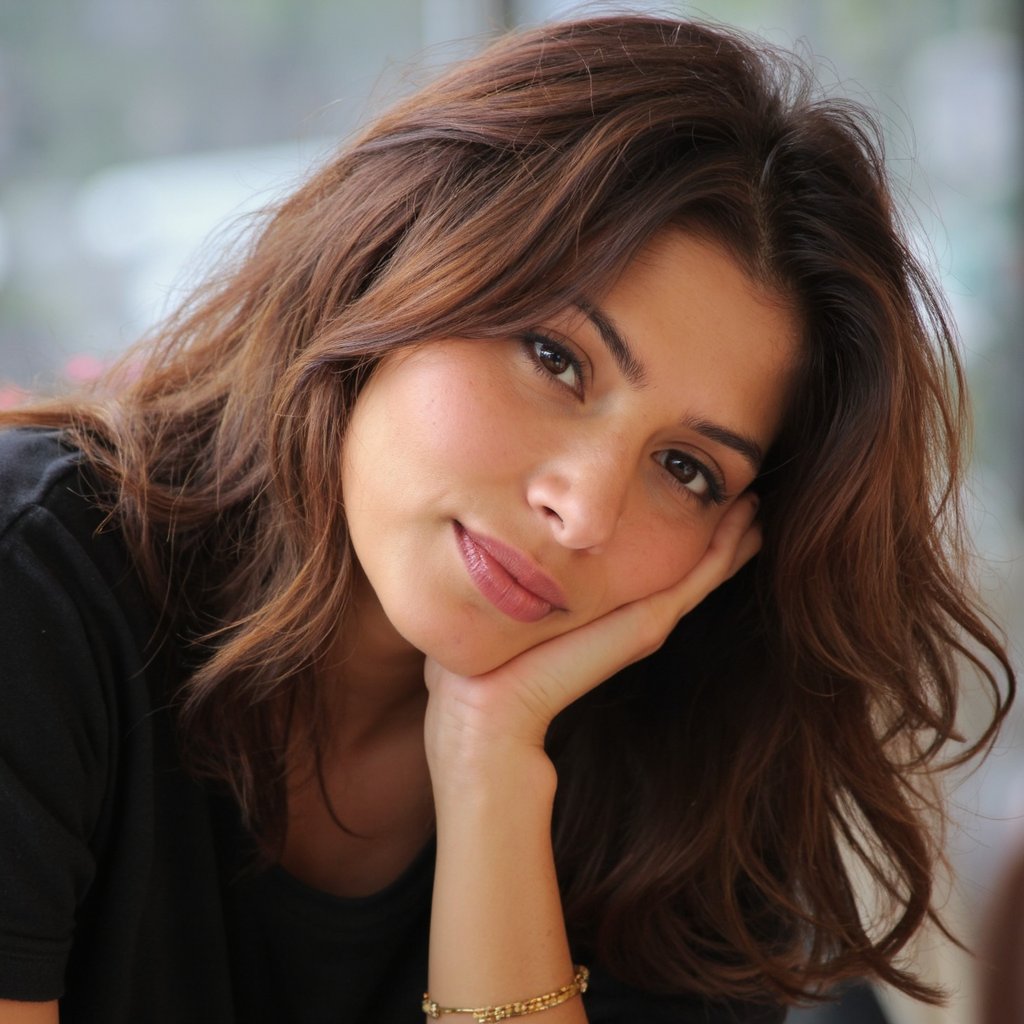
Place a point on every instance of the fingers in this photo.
(575, 662)
(646, 623)
(553, 674)
(740, 533)
(749, 545)
(736, 540)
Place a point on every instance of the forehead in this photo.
(677, 266)
(704, 328)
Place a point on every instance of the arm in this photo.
(497, 931)
(28, 1013)
(53, 744)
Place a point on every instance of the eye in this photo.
(693, 476)
(552, 359)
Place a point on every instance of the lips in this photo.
(508, 578)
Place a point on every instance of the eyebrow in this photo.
(746, 446)
(633, 370)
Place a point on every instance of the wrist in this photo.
(470, 730)
(482, 778)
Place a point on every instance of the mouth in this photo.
(508, 578)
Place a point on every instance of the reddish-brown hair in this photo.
(713, 799)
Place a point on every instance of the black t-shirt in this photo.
(127, 889)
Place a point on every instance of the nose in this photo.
(582, 495)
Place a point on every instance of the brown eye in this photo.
(692, 476)
(686, 470)
(551, 357)
(555, 361)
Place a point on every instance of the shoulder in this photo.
(65, 573)
(54, 526)
(79, 679)
(68, 592)
(33, 463)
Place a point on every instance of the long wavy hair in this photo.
(718, 801)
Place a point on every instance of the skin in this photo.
(12, 1012)
(571, 467)
(601, 478)
(564, 466)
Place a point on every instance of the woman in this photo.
(335, 563)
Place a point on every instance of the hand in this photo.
(515, 703)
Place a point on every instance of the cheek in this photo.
(420, 425)
(659, 556)
(463, 421)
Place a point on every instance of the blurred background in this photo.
(133, 131)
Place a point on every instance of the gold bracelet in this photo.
(491, 1014)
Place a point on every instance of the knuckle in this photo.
(651, 632)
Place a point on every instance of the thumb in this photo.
(569, 665)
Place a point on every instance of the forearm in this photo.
(497, 931)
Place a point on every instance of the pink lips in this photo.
(508, 578)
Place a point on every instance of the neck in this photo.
(374, 676)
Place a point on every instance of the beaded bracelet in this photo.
(491, 1014)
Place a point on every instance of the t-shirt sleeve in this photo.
(54, 749)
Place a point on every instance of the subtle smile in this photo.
(507, 577)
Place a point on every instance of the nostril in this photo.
(548, 510)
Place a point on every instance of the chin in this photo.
(474, 653)
(465, 639)
(471, 659)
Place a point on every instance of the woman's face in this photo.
(500, 492)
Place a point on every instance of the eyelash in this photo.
(532, 339)
(716, 493)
